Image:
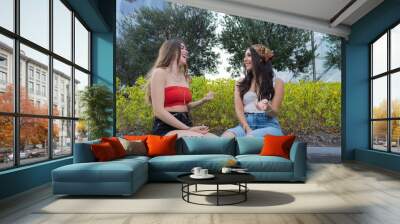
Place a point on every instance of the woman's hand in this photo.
(247, 129)
(199, 129)
(209, 96)
(263, 104)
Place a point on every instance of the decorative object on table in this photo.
(97, 102)
(239, 195)
(200, 173)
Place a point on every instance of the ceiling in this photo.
(325, 16)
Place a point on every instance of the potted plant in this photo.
(96, 102)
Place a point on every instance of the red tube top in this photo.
(177, 95)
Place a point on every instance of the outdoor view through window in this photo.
(37, 93)
(308, 62)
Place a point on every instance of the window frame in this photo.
(388, 74)
(15, 72)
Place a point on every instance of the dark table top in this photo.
(220, 178)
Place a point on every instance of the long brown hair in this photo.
(262, 71)
(169, 52)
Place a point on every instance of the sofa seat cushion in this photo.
(185, 163)
(257, 163)
(112, 171)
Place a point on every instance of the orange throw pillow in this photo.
(277, 145)
(161, 145)
(103, 152)
(136, 137)
(116, 145)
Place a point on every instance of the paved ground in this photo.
(324, 154)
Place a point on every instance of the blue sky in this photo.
(125, 7)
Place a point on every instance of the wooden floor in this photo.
(377, 188)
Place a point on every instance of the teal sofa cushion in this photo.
(206, 145)
(83, 153)
(249, 145)
(185, 163)
(257, 163)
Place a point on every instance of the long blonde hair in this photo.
(169, 50)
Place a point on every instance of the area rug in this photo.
(167, 198)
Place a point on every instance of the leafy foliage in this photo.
(288, 44)
(97, 101)
(34, 130)
(143, 32)
(333, 57)
(308, 107)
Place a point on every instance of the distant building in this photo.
(34, 78)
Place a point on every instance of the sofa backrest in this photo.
(83, 153)
(249, 145)
(205, 145)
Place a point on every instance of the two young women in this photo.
(258, 96)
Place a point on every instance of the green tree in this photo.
(333, 57)
(97, 103)
(290, 45)
(143, 32)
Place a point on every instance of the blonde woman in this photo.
(169, 94)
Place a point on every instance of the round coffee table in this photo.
(238, 179)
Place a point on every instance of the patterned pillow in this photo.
(135, 147)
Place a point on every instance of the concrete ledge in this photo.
(385, 160)
(24, 178)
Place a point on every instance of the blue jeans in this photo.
(261, 124)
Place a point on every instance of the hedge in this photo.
(309, 108)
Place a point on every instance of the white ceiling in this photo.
(313, 15)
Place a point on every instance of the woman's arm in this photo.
(157, 84)
(274, 106)
(208, 97)
(239, 109)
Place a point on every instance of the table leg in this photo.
(245, 193)
(217, 194)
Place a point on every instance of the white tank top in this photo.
(250, 101)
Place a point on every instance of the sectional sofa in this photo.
(125, 176)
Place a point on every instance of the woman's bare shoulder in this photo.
(279, 81)
(159, 74)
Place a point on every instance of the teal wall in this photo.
(99, 16)
(356, 84)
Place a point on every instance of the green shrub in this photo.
(308, 107)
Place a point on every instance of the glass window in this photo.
(395, 95)
(31, 88)
(395, 47)
(40, 62)
(6, 142)
(81, 131)
(62, 137)
(379, 133)
(379, 97)
(6, 74)
(81, 82)
(35, 21)
(7, 14)
(62, 29)
(33, 140)
(379, 56)
(62, 72)
(81, 45)
(395, 138)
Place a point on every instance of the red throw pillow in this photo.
(161, 145)
(103, 151)
(116, 145)
(136, 137)
(277, 145)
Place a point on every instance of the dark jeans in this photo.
(162, 128)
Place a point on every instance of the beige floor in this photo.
(352, 181)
